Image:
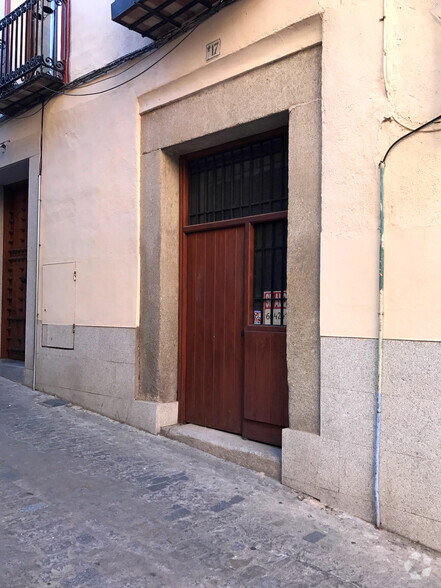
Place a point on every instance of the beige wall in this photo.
(380, 77)
(90, 211)
(357, 129)
(96, 39)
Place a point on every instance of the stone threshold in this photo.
(250, 454)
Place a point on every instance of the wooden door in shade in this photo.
(214, 321)
(14, 270)
(233, 289)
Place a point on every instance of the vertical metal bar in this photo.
(64, 36)
(201, 201)
(35, 46)
(28, 34)
(13, 46)
(222, 187)
(261, 227)
(273, 258)
(42, 32)
(260, 181)
(241, 183)
(22, 43)
(10, 36)
(7, 48)
(56, 16)
(206, 189)
(2, 53)
(16, 44)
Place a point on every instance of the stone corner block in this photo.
(152, 416)
(300, 460)
(310, 463)
(28, 377)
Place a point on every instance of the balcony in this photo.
(33, 53)
(161, 20)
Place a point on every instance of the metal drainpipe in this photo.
(380, 353)
(381, 318)
(37, 255)
(37, 279)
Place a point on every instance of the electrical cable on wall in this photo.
(381, 319)
(80, 81)
(64, 91)
(90, 78)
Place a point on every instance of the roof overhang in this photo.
(162, 19)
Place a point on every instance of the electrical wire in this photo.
(93, 82)
(89, 79)
(64, 92)
(407, 135)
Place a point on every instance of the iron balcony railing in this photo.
(33, 52)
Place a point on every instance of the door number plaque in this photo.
(213, 50)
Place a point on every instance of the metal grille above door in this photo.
(239, 182)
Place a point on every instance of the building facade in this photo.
(201, 228)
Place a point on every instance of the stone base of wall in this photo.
(336, 467)
(99, 374)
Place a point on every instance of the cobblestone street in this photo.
(90, 502)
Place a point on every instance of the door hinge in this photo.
(75, 276)
(242, 333)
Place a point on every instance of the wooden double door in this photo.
(233, 310)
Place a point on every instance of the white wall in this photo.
(91, 153)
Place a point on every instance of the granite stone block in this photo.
(411, 369)
(356, 471)
(348, 416)
(349, 364)
(396, 480)
(425, 488)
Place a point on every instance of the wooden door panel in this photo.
(214, 355)
(265, 384)
(14, 270)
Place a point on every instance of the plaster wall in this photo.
(91, 210)
(94, 155)
(96, 39)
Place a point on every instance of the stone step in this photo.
(250, 454)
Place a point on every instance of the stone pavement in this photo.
(88, 502)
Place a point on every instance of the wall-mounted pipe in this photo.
(37, 260)
(37, 276)
(381, 321)
(380, 353)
